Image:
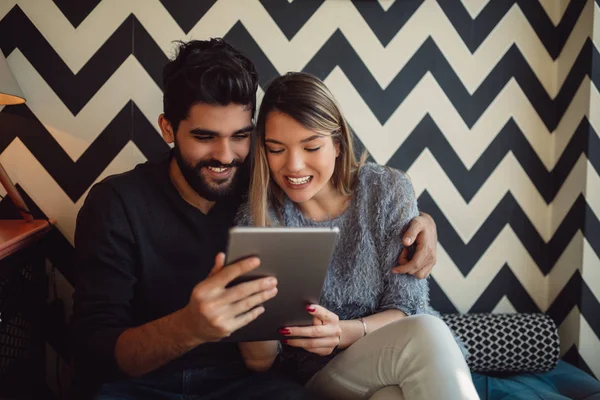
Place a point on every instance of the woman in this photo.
(367, 340)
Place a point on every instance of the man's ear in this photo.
(166, 128)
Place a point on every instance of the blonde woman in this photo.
(374, 333)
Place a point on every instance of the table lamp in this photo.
(10, 94)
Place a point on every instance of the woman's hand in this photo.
(322, 337)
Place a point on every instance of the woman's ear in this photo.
(166, 128)
(336, 143)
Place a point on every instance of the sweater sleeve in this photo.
(104, 284)
(243, 217)
(398, 206)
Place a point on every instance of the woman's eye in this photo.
(274, 151)
(313, 149)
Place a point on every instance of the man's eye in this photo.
(203, 138)
(241, 137)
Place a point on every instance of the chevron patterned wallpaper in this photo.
(492, 106)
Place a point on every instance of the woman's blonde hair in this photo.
(307, 100)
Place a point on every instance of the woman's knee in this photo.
(428, 329)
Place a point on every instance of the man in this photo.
(151, 300)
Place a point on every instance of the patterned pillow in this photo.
(507, 342)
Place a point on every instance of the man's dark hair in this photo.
(207, 71)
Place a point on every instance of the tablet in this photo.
(299, 258)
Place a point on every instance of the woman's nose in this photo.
(295, 162)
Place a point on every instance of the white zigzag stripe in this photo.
(568, 331)
(465, 291)
(428, 97)
(44, 190)
(555, 9)
(6, 6)
(585, 99)
(594, 113)
(566, 265)
(75, 134)
(504, 306)
(591, 269)
(596, 33)
(474, 7)
(582, 179)
(428, 21)
(589, 346)
(131, 81)
(164, 30)
(105, 104)
(77, 46)
(509, 175)
(386, 4)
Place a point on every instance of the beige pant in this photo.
(413, 358)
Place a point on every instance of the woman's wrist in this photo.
(352, 330)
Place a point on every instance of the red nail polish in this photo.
(311, 309)
(284, 341)
(284, 331)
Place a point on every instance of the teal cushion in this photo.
(563, 382)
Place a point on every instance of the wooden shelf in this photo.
(17, 234)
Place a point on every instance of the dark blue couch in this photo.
(563, 382)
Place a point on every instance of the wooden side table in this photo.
(23, 290)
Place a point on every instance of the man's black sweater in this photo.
(140, 249)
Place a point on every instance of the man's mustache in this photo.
(217, 164)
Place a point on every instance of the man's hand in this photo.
(423, 233)
(215, 311)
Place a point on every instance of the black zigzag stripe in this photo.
(147, 52)
(474, 31)
(438, 298)
(505, 283)
(76, 11)
(75, 90)
(508, 211)
(580, 217)
(153, 59)
(590, 307)
(386, 24)
(187, 13)
(573, 357)
(427, 135)
(76, 177)
(145, 137)
(291, 17)
(586, 141)
(596, 66)
(337, 51)
(241, 39)
(576, 293)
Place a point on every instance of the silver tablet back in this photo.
(299, 258)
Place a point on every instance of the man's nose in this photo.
(223, 152)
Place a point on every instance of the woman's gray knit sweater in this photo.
(360, 281)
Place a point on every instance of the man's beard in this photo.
(214, 190)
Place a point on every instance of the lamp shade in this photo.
(10, 92)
